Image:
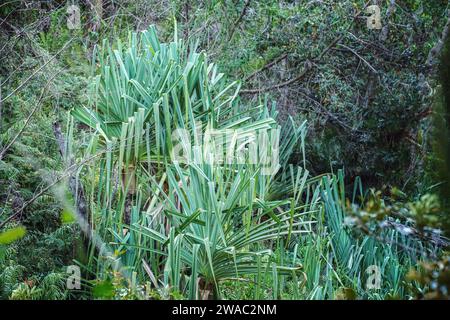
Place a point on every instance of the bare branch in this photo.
(238, 21)
(38, 69)
(308, 64)
(436, 50)
(38, 104)
(267, 66)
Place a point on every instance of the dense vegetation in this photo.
(348, 196)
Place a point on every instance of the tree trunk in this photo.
(206, 289)
(128, 187)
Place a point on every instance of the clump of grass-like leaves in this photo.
(188, 225)
(195, 224)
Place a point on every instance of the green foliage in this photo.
(145, 92)
(51, 287)
(438, 164)
(177, 230)
(32, 160)
(206, 221)
(435, 276)
(67, 217)
(372, 124)
(104, 289)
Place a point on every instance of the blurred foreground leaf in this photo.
(12, 235)
(103, 289)
(67, 217)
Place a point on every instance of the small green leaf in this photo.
(67, 217)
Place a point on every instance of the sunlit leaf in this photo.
(67, 217)
(12, 235)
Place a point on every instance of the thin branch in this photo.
(267, 66)
(45, 64)
(436, 50)
(325, 110)
(308, 64)
(238, 21)
(39, 69)
(308, 67)
(361, 58)
(38, 104)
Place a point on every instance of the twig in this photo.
(308, 67)
(39, 69)
(3, 152)
(324, 110)
(68, 172)
(361, 58)
(436, 50)
(308, 64)
(267, 66)
(238, 21)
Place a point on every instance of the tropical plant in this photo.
(207, 215)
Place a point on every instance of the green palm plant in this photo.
(209, 229)
(144, 92)
(189, 224)
(192, 223)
